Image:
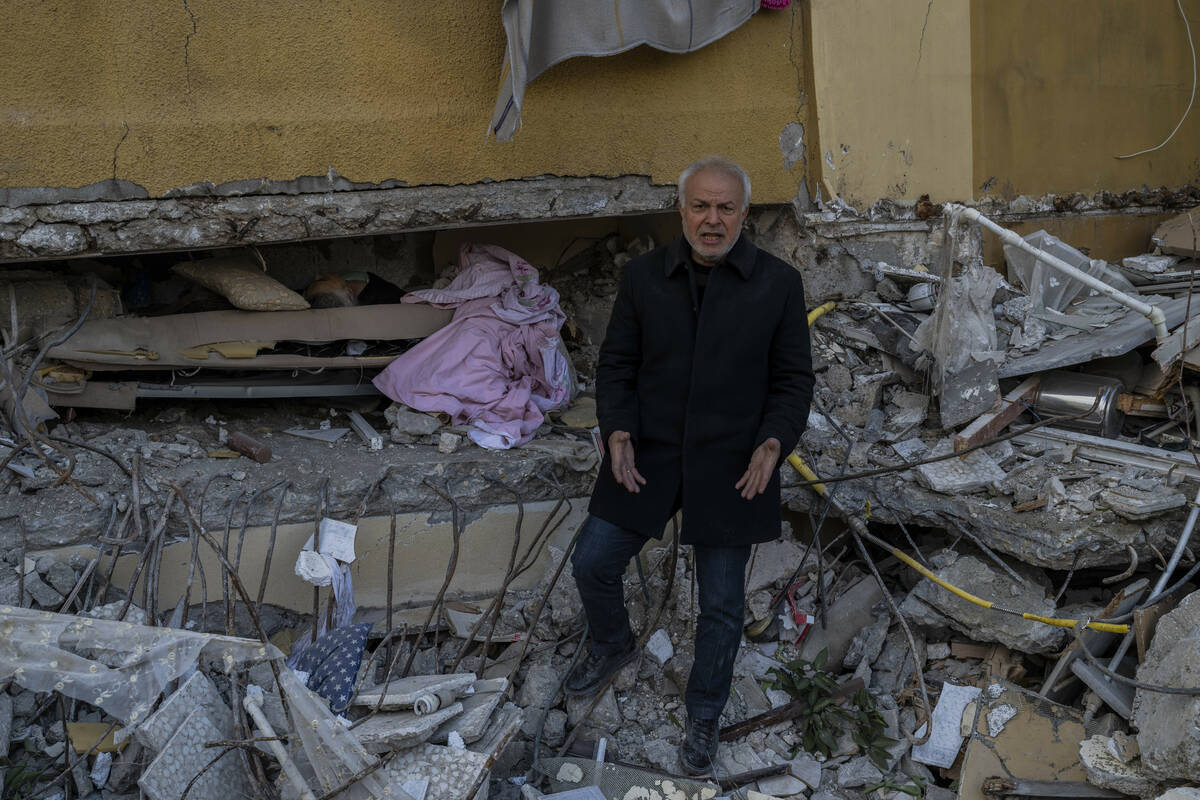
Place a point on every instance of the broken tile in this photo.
(184, 755)
(451, 773)
(196, 693)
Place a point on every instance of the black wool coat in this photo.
(699, 392)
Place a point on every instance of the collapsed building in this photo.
(232, 564)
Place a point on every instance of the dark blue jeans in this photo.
(602, 553)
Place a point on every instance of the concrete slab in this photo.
(400, 729)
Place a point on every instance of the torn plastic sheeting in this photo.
(117, 666)
(1049, 288)
(1116, 339)
(961, 334)
(122, 669)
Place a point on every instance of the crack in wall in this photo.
(187, 45)
(117, 149)
(921, 44)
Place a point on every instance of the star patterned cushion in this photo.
(332, 664)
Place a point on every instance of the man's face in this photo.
(711, 207)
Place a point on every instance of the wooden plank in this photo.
(989, 425)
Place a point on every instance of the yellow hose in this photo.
(861, 528)
(819, 310)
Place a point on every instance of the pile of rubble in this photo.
(996, 474)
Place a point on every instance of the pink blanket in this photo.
(497, 366)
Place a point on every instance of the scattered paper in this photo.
(946, 739)
(337, 539)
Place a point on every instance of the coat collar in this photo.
(741, 257)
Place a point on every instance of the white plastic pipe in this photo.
(1152, 313)
(253, 705)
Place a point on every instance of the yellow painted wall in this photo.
(893, 97)
(1110, 237)
(1062, 87)
(167, 94)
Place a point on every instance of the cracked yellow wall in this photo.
(893, 89)
(169, 94)
(1061, 88)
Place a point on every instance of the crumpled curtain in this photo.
(498, 366)
(541, 34)
(117, 666)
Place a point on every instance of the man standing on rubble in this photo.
(702, 387)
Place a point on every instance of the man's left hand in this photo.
(762, 466)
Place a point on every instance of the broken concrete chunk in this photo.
(963, 475)
(606, 714)
(473, 721)
(807, 769)
(1150, 263)
(403, 693)
(400, 729)
(774, 561)
(405, 420)
(858, 772)
(868, 642)
(1135, 504)
(1168, 734)
(61, 577)
(449, 442)
(782, 785)
(982, 624)
(838, 378)
(42, 593)
(848, 614)
(1108, 772)
(659, 647)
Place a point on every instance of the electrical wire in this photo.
(1187, 27)
(813, 480)
(1149, 687)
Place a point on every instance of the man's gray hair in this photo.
(718, 164)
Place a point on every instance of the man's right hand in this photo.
(620, 448)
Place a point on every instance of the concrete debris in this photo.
(659, 647)
(962, 475)
(405, 692)
(401, 729)
(1109, 772)
(1169, 725)
(930, 604)
(1134, 504)
(848, 614)
(858, 772)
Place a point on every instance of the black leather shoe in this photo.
(592, 673)
(699, 749)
